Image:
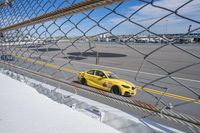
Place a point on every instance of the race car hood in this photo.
(122, 82)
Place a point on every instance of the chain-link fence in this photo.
(152, 43)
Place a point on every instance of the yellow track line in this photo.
(47, 64)
(183, 98)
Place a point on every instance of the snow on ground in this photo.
(24, 110)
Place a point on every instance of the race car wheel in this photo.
(115, 90)
(83, 81)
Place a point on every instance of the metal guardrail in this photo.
(145, 107)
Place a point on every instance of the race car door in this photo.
(100, 80)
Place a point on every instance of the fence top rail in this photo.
(73, 9)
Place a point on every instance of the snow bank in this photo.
(24, 110)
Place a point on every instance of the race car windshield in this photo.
(112, 76)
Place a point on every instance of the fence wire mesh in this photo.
(152, 43)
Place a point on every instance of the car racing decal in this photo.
(82, 75)
(106, 84)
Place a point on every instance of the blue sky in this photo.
(145, 17)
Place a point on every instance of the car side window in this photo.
(99, 73)
(91, 72)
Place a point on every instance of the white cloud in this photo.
(190, 8)
(150, 14)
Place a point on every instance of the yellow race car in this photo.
(106, 81)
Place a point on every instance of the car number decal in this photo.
(82, 75)
(104, 84)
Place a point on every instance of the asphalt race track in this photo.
(125, 62)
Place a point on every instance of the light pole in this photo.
(166, 26)
(189, 28)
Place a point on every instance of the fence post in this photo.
(97, 57)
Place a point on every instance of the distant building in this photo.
(161, 38)
(108, 38)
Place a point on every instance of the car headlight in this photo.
(125, 86)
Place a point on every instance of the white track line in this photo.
(121, 69)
